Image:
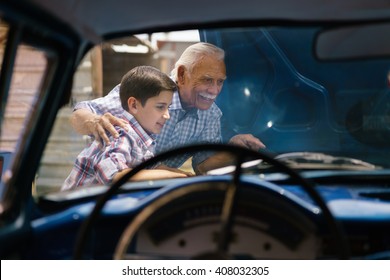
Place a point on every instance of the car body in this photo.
(311, 79)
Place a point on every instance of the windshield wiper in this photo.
(310, 160)
(302, 161)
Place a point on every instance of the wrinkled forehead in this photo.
(210, 67)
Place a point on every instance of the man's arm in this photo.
(217, 160)
(244, 140)
(203, 162)
(150, 174)
(86, 122)
(223, 159)
(248, 141)
(97, 117)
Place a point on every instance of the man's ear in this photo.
(181, 74)
(132, 104)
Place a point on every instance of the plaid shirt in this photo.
(98, 166)
(183, 128)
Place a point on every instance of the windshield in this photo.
(296, 103)
(313, 113)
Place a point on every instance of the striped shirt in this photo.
(183, 128)
(98, 166)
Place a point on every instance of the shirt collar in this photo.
(176, 105)
(148, 139)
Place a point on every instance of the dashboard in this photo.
(270, 217)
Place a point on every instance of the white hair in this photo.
(195, 53)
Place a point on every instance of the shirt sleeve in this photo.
(210, 135)
(117, 156)
(108, 104)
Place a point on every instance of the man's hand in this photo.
(100, 125)
(86, 122)
(248, 141)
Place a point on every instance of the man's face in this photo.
(201, 87)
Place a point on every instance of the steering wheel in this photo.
(230, 188)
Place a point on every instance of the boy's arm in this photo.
(150, 174)
(177, 170)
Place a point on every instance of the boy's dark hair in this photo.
(142, 83)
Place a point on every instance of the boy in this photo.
(145, 95)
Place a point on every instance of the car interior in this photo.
(313, 85)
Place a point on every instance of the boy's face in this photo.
(154, 114)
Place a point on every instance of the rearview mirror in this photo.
(358, 41)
